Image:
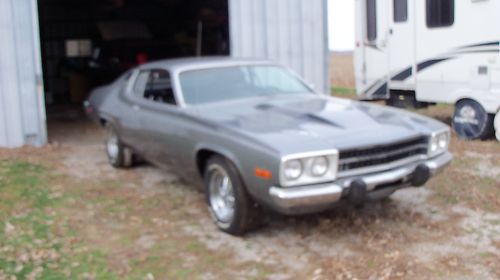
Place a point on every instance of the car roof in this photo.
(202, 62)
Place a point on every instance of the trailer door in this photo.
(401, 45)
(373, 82)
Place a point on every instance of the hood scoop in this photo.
(293, 112)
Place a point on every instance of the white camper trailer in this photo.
(420, 52)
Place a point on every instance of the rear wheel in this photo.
(230, 205)
(471, 121)
(497, 126)
(119, 156)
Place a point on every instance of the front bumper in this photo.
(370, 186)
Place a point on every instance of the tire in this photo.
(119, 156)
(471, 121)
(497, 126)
(233, 196)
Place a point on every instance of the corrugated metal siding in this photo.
(22, 115)
(292, 32)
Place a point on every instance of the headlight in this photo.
(439, 143)
(443, 141)
(309, 168)
(319, 166)
(293, 169)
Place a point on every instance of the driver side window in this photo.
(155, 86)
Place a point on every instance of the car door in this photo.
(129, 123)
(161, 132)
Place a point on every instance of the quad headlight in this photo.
(439, 142)
(309, 168)
(319, 166)
(293, 169)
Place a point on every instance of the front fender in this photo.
(247, 159)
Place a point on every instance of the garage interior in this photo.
(87, 43)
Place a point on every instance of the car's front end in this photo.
(311, 182)
(325, 150)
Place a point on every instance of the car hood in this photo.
(292, 124)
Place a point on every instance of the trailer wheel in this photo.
(497, 126)
(471, 121)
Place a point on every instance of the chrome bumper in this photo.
(326, 194)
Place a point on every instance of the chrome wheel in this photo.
(221, 194)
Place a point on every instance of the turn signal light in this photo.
(263, 173)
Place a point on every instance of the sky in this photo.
(341, 24)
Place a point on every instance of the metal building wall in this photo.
(292, 32)
(22, 111)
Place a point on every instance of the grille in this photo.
(361, 158)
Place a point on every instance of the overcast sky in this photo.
(341, 24)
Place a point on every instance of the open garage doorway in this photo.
(88, 43)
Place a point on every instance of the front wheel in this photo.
(471, 121)
(119, 156)
(230, 205)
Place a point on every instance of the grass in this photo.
(33, 242)
(344, 92)
(88, 229)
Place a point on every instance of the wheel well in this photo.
(202, 158)
(465, 99)
(103, 122)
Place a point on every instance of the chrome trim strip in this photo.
(382, 155)
(311, 195)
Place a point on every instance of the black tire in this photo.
(119, 156)
(497, 126)
(471, 121)
(246, 212)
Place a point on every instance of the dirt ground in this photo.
(144, 223)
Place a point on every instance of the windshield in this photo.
(238, 82)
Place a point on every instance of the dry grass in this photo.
(342, 70)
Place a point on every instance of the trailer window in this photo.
(440, 13)
(371, 20)
(400, 10)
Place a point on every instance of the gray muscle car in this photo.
(258, 137)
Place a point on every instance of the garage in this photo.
(56, 51)
(89, 43)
